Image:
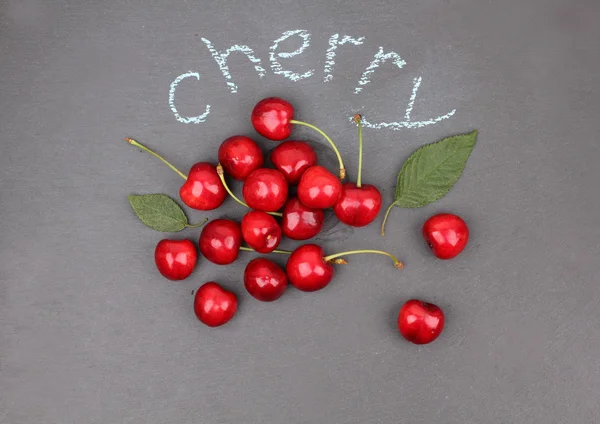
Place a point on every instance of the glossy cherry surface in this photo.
(239, 156)
(292, 158)
(265, 190)
(358, 206)
(213, 305)
(307, 270)
(300, 222)
(261, 231)
(446, 235)
(420, 322)
(271, 118)
(265, 280)
(220, 241)
(203, 189)
(319, 188)
(175, 259)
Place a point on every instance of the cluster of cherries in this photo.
(266, 192)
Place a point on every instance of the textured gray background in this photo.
(90, 333)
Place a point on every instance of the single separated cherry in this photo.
(299, 221)
(202, 189)
(220, 241)
(420, 322)
(260, 231)
(213, 305)
(273, 118)
(265, 189)
(240, 156)
(446, 235)
(292, 158)
(359, 203)
(308, 269)
(175, 259)
(264, 280)
(318, 188)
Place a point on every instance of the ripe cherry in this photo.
(264, 280)
(420, 322)
(175, 259)
(260, 231)
(240, 156)
(265, 189)
(273, 118)
(446, 235)
(213, 305)
(299, 221)
(220, 241)
(202, 189)
(308, 269)
(319, 188)
(359, 203)
(292, 158)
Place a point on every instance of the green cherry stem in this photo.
(335, 149)
(397, 263)
(166, 162)
(358, 119)
(247, 249)
(221, 174)
(387, 212)
(196, 225)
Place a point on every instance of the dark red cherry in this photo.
(260, 231)
(203, 189)
(420, 322)
(265, 190)
(239, 156)
(213, 305)
(358, 206)
(264, 280)
(446, 234)
(299, 221)
(175, 259)
(292, 158)
(307, 269)
(271, 118)
(220, 241)
(319, 188)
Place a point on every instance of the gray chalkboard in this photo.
(91, 333)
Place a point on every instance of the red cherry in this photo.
(319, 188)
(213, 305)
(240, 156)
(358, 206)
(292, 158)
(264, 280)
(175, 259)
(271, 118)
(446, 235)
(220, 241)
(203, 189)
(299, 221)
(260, 231)
(265, 189)
(307, 269)
(420, 322)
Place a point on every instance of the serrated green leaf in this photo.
(431, 171)
(159, 212)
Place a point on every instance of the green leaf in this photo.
(431, 171)
(159, 212)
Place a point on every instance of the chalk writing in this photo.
(276, 66)
(379, 58)
(334, 42)
(190, 119)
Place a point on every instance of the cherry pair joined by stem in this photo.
(420, 322)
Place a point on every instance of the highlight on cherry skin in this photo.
(420, 322)
(175, 259)
(214, 305)
(446, 235)
(239, 156)
(273, 118)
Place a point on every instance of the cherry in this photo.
(292, 158)
(264, 280)
(240, 156)
(446, 235)
(319, 188)
(420, 322)
(299, 221)
(213, 305)
(358, 204)
(273, 118)
(308, 269)
(175, 259)
(260, 231)
(220, 241)
(202, 190)
(265, 189)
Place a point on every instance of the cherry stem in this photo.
(397, 263)
(166, 162)
(196, 225)
(387, 212)
(248, 249)
(358, 119)
(221, 174)
(335, 149)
